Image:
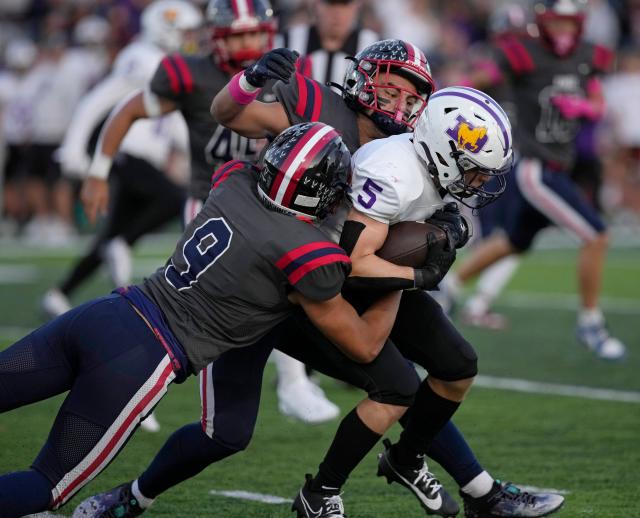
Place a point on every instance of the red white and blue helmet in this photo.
(369, 72)
(307, 170)
(464, 130)
(547, 10)
(227, 17)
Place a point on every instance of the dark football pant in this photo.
(115, 370)
(426, 336)
(142, 200)
(548, 197)
(230, 394)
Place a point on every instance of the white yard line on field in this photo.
(18, 274)
(254, 497)
(561, 301)
(534, 489)
(555, 389)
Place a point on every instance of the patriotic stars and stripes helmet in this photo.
(368, 74)
(462, 131)
(307, 170)
(228, 17)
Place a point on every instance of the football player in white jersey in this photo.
(146, 152)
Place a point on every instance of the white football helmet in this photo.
(464, 130)
(164, 23)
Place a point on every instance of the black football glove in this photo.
(440, 257)
(449, 219)
(275, 64)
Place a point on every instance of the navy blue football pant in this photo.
(115, 372)
(548, 197)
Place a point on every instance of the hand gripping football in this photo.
(406, 243)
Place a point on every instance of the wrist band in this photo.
(100, 166)
(241, 91)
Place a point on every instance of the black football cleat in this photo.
(116, 503)
(506, 499)
(433, 498)
(317, 504)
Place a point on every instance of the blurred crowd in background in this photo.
(53, 51)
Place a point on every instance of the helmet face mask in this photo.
(229, 21)
(307, 170)
(464, 137)
(389, 72)
(560, 23)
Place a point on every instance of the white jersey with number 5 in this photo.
(391, 184)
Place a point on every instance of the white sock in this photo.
(144, 502)
(479, 486)
(590, 317)
(493, 280)
(289, 369)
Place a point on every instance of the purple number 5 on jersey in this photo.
(370, 187)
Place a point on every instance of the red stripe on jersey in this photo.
(250, 9)
(174, 82)
(311, 154)
(314, 264)
(602, 58)
(135, 413)
(185, 73)
(302, 94)
(292, 155)
(225, 175)
(294, 254)
(304, 66)
(516, 54)
(317, 101)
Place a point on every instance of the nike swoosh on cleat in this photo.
(432, 503)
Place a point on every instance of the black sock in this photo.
(185, 454)
(428, 414)
(82, 270)
(352, 442)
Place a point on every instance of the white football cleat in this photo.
(150, 424)
(54, 303)
(117, 256)
(597, 339)
(305, 401)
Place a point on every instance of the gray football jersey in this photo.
(192, 82)
(537, 75)
(227, 282)
(306, 100)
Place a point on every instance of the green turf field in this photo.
(585, 447)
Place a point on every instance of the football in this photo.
(406, 243)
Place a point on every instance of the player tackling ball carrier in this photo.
(412, 176)
(235, 272)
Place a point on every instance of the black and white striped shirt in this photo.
(319, 64)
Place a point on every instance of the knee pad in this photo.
(399, 391)
(461, 365)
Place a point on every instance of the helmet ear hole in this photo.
(442, 160)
